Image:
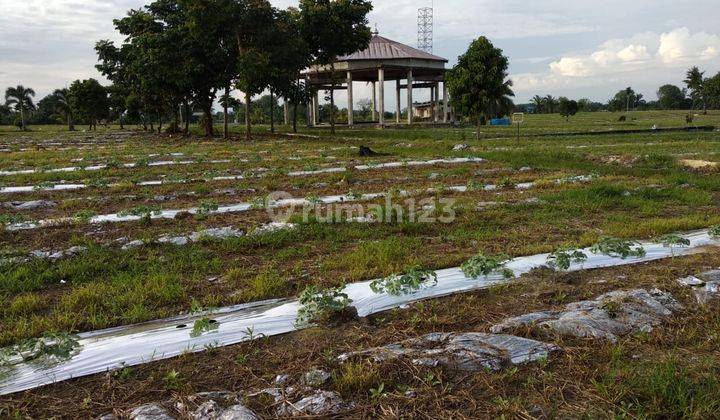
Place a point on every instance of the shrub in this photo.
(483, 265)
(409, 282)
(615, 247)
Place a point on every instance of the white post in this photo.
(410, 96)
(436, 104)
(397, 101)
(350, 99)
(316, 108)
(446, 106)
(381, 96)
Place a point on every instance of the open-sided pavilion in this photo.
(383, 60)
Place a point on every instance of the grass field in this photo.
(639, 186)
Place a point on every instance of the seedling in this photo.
(84, 216)
(473, 185)
(320, 304)
(409, 282)
(50, 348)
(672, 241)
(144, 212)
(173, 381)
(564, 256)
(379, 392)
(714, 232)
(313, 199)
(618, 248)
(45, 185)
(258, 203)
(207, 206)
(483, 265)
(11, 219)
(203, 325)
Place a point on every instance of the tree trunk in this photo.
(22, 119)
(272, 112)
(121, 122)
(295, 107)
(247, 116)
(226, 132)
(187, 117)
(477, 130)
(71, 127)
(207, 116)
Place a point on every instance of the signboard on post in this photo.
(518, 118)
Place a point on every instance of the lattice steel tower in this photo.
(425, 29)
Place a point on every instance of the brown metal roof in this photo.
(381, 48)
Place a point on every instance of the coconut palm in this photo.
(695, 81)
(539, 103)
(550, 104)
(62, 106)
(20, 98)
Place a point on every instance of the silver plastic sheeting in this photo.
(243, 207)
(258, 173)
(100, 167)
(137, 344)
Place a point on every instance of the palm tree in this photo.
(696, 83)
(21, 98)
(550, 103)
(539, 103)
(62, 105)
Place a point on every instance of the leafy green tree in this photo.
(550, 104)
(478, 84)
(63, 107)
(539, 103)
(117, 99)
(89, 99)
(712, 91)
(567, 108)
(20, 98)
(672, 97)
(625, 99)
(333, 28)
(695, 82)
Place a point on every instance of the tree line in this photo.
(699, 93)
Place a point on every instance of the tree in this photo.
(333, 28)
(20, 98)
(478, 84)
(712, 91)
(625, 99)
(539, 103)
(90, 101)
(567, 107)
(550, 104)
(64, 107)
(695, 82)
(672, 97)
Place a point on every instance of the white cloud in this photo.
(644, 58)
(680, 46)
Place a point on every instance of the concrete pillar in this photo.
(350, 99)
(397, 101)
(446, 106)
(316, 108)
(286, 112)
(381, 96)
(432, 104)
(409, 96)
(373, 114)
(436, 104)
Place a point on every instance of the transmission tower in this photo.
(425, 29)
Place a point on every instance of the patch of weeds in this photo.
(484, 265)
(319, 305)
(98, 183)
(173, 380)
(11, 219)
(258, 203)
(618, 248)
(473, 185)
(377, 393)
(562, 257)
(84, 216)
(409, 282)
(45, 185)
(313, 199)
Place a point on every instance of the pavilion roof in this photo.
(381, 48)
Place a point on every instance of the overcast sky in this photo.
(576, 48)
